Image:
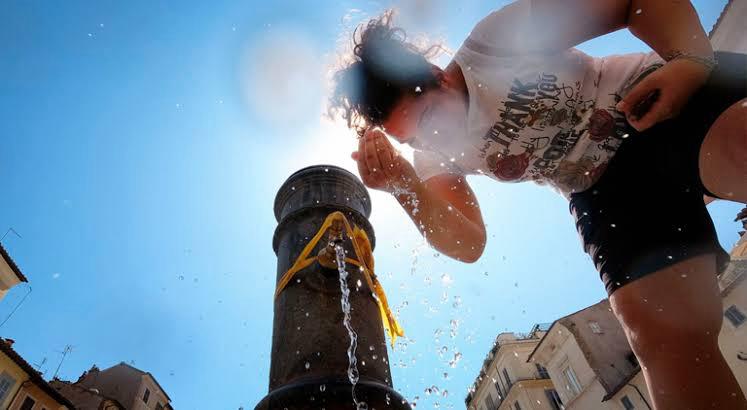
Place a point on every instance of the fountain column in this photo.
(309, 362)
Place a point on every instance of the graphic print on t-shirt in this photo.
(540, 122)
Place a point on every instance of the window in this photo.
(735, 316)
(6, 383)
(497, 384)
(146, 395)
(541, 371)
(28, 403)
(627, 403)
(554, 399)
(516, 405)
(507, 379)
(159, 406)
(489, 403)
(572, 381)
(595, 328)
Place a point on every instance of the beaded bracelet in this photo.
(709, 62)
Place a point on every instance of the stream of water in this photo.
(353, 374)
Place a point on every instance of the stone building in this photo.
(120, 386)
(10, 275)
(86, 398)
(728, 33)
(22, 387)
(733, 336)
(508, 381)
(591, 363)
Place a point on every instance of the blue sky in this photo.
(142, 146)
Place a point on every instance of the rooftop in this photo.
(4, 255)
(34, 376)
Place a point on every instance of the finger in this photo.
(361, 160)
(385, 153)
(637, 94)
(659, 111)
(372, 158)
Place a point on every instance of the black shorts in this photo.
(646, 212)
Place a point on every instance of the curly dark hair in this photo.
(385, 68)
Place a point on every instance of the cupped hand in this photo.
(380, 165)
(662, 94)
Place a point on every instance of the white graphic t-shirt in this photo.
(548, 118)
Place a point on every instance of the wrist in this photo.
(406, 188)
(706, 60)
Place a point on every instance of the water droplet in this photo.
(625, 136)
(307, 365)
(358, 283)
(418, 89)
(454, 361)
(322, 388)
(457, 302)
(639, 11)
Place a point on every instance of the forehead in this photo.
(404, 117)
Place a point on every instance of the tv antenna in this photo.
(9, 231)
(68, 349)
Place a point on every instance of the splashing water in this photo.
(353, 374)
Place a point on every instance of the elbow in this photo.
(474, 251)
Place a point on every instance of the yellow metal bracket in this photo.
(362, 248)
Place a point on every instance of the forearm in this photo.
(669, 27)
(445, 228)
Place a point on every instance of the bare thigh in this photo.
(723, 155)
(672, 320)
(683, 298)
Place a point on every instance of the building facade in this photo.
(120, 385)
(10, 275)
(22, 387)
(508, 381)
(590, 362)
(733, 284)
(86, 398)
(728, 34)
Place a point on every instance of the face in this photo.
(430, 116)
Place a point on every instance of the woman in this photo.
(633, 141)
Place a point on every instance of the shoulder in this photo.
(501, 32)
